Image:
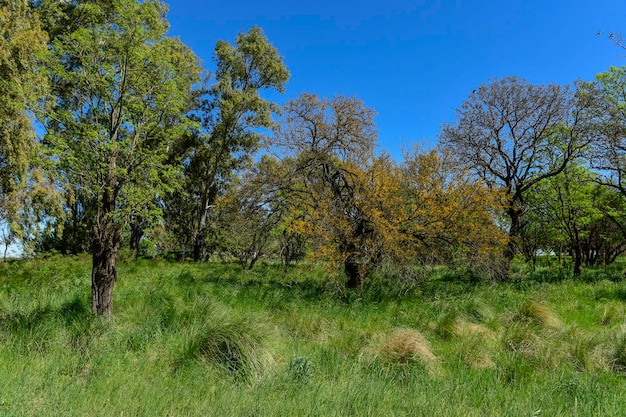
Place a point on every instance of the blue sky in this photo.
(414, 62)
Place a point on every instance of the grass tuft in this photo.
(539, 314)
(476, 352)
(405, 345)
(235, 344)
(618, 355)
(211, 339)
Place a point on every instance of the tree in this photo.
(448, 216)
(607, 238)
(121, 86)
(359, 210)
(22, 86)
(572, 212)
(514, 135)
(608, 152)
(609, 108)
(251, 212)
(232, 114)
(568, 205)
(330, 144)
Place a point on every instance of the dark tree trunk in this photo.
(353, 272)
(103, 277)
(512, 247)
(578, 260)
(199, 241)
(107, 235)
(199, 244)
(356, 272)
(136, 233)
(514, 231)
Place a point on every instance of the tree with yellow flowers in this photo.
(360, 209)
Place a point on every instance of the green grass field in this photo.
(213, 340)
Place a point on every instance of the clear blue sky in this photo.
(414, 62)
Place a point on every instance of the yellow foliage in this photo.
(359, 210)
(425, 209)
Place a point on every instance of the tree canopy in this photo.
(137, 143)
(120, 89)
(513, 135)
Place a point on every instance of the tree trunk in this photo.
(515, 215)
(199, 244)
(107, 235)
(103, 277)
(514, 231)
(199, 241)
(355, 274)
(578, 261)
(136, 233)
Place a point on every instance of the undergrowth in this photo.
(212, 339)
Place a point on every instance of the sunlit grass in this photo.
(211, 339)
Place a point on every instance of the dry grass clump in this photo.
(404, 347)
(465, 328)
(533, 346)
(454, 325)
(586, 352)
(546, 348)
(539, 314)
(476, 344)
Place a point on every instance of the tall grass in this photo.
(212, 339)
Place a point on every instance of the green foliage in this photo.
(120, 89)
(121, 86)
(232, 114)
(22, 85)
(22, 88)
(572, 212)
(213, 339)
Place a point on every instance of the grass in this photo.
(211, 339)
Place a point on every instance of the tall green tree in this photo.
(22, 86)
(514, 135)
(121, 87)
(232, 114)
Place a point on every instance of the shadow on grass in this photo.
(301, 284)
(68, 313)
(274, 284)
(36, 329)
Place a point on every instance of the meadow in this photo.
(211, 339)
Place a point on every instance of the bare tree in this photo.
(514, 134)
